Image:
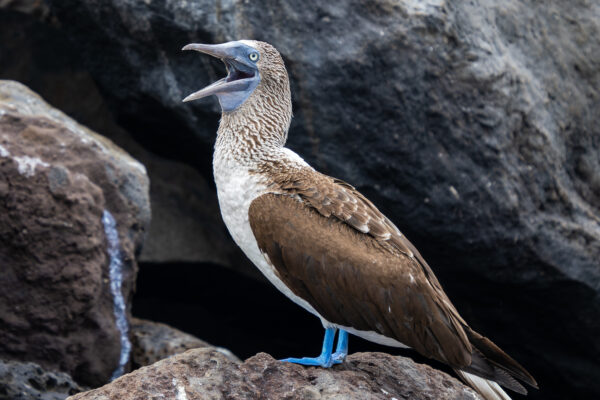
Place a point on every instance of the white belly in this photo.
(236, 189)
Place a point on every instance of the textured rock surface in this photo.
(57, 177)
(153, 341)
(208, 374)
(27, 380)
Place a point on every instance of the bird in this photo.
(323, 244)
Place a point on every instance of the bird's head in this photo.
(250, 65)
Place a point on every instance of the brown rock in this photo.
(56, 179)
(208, 374)
(153, 341)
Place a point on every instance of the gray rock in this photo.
(57, 178)
(153, 341)
(27, 380)
(208, 374)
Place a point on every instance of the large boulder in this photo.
(58, 179)
(209, 374)
(472, 124)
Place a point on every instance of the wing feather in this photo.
(336, 250)
(352, 278)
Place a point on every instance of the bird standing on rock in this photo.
(322, 243)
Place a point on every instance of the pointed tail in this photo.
(491, 367)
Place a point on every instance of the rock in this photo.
(153, 341)
(56, 179)
(469, 123)
(208, 374)
(122, 179)
(186, 225)
(27, 380)
(38, 8)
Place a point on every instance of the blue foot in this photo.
(341, 350)
(325, 359)
(316, 361)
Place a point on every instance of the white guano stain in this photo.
(26, 165)
(181, 395)
(3, 152)
(421, 7)
(454, 192)
(115, 271)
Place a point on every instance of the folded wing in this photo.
(354, 279)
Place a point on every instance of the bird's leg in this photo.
(341, 351)
(323, 360)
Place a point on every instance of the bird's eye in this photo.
(253, 56)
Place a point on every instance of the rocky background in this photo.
(472, 124)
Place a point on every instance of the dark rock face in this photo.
(153, 341)
(471, 124)
(186, 224)
(57, 178)
(208, 374)
(27, 380)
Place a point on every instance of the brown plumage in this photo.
(330, 249)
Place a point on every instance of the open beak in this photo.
(239, 77)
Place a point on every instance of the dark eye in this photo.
(253, 56)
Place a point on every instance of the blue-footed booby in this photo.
(322, 243)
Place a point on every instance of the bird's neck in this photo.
(257, 129)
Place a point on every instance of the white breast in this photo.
(236, 189)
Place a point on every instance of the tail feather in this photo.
(491, 367)
(498, 358)
(488, 389)
(484, 368)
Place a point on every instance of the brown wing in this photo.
(334, 197)
(371, 282)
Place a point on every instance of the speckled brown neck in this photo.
(258, 128)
